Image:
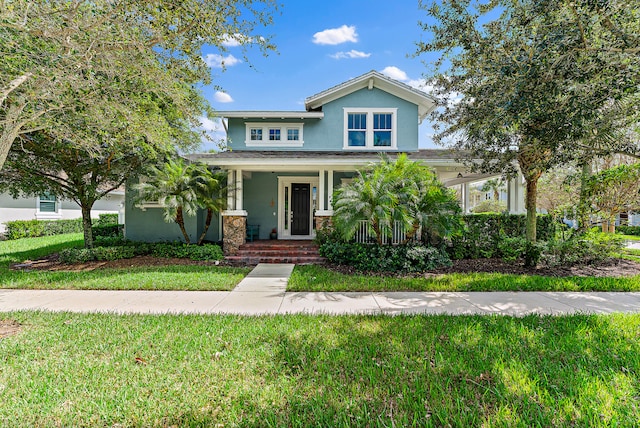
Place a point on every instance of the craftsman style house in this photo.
(284, 165)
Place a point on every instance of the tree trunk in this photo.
(530, 205)
(180, 221)
(207, 223)
(86, 225)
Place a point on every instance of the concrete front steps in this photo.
(278, 251)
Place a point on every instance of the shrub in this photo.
(34, 228)
(106, 219)
(108, 230)
(375, 258)
(80, 255)
(511, 249)
(628, 230)
(24, 229)
(483, 234)
(129, 249)
(185, 251)
(591, 247)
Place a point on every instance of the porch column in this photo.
(230, 194)
(238, 189)
(323, 216)
(515, 195)
(465, 198)
(320, 190)
(330, 189)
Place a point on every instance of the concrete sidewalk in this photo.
(263, 292)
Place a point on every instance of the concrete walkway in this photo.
(263, 292)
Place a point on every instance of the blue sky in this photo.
(319, 45)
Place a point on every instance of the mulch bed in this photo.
(612, 268)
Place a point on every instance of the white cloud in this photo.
(222, 97)
(211, 126)
(395, 73)
(219, 61)
(237, 39)
(349, 55)
(335, 36)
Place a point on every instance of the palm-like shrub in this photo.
(174, 187)
(402, 192)
(211, 192)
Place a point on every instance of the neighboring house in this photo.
(283, 166)
(49, 207)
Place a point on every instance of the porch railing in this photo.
(398, 234)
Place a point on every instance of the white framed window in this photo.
(256, 134)
(370, 129)
(47, 206)
(274, 135)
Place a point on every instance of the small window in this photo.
(274, 134)
(293, 134)
(48, 203)
(256, 134)
(357, 129)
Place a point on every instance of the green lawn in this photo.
(136, 278)
(106, 370)
(318, 278)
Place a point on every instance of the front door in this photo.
(300, 208)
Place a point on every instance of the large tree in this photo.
(533, 77)
(67, 67)
(41, 164)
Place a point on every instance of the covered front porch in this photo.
(288, 195)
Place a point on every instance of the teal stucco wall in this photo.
(327, 134)
(149, 226)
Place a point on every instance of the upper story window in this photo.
(274, 135)
(370, 128)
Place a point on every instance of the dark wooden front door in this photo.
(300, 207)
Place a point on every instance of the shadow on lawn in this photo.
(464, 371)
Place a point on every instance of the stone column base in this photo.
(234, 231)
(323, 222)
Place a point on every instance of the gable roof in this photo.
(373, 79)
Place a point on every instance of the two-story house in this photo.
(283, 166)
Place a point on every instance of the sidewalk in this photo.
(263, 292)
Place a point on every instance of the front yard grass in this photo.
(66, 369)
(170, 277)
(318, 278)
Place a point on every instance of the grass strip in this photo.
(318, 278)
(104, 370)
(170, 277)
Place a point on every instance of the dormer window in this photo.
(370, 129)
(274, 135)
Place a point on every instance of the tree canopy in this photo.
(534, 80)
(41, 164)
(86, 71)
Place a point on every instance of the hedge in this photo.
(628, 230)
(484, 234)
(34, 228)
(104, 226)
(128, 249)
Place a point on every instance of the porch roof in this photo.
(273, 158)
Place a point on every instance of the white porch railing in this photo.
(398, 233)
